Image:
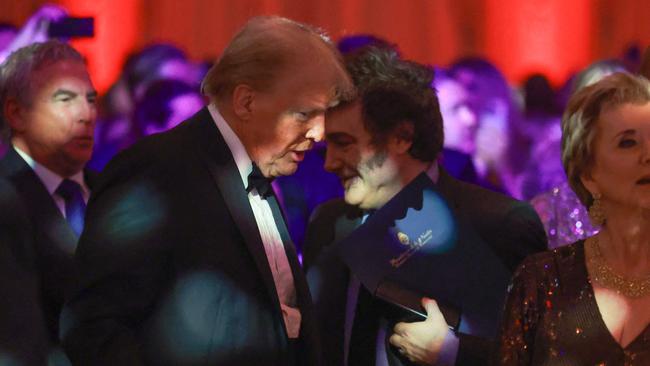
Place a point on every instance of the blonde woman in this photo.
(589, 303)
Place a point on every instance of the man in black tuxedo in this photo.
(48, 114)
(185, 257)
(377, 144)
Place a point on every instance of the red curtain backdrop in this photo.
(556, 37)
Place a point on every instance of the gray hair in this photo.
(579, 122)
(260, 51)
(16, 71)
(597, 71)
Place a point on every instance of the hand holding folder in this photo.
(381, 252)
(406, 305)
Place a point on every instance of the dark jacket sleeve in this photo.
(328, 280)
(521, 234)
(121, 259)
(318, 234)
(23, 335)
(515, 339)
(518, 234)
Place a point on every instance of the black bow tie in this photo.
(258, 181)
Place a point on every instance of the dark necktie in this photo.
(258, 181)
(75, 207)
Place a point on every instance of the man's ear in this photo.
(401, 139)
(242, 101)
(13, 113)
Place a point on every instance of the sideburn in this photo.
(378, 159)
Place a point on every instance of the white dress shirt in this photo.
(51, 180)
(273, 246)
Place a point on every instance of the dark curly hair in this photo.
(391, 91)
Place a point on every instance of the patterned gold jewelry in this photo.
(596, 213)
(604, 275)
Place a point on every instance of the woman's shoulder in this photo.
(551, 263)
(562, 253)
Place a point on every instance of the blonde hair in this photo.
(579, 122)
(260, 51)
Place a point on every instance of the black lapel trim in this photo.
(215, 153)
(290, 250)
(303, 296)
(39, 203)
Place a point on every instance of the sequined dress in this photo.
(551, 317)
(563, 215)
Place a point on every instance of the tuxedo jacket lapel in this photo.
(304, 298)
(37, 199)
(51, 238)
(308, 328)
(302, 291)
(214, 152)
(328, 275)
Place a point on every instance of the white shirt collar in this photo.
(50, 179)
(239, 154)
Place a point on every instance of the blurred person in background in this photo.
(540, 130)
(539, 98)
(460, 126)
(34, 30)
(354, 42)
(498, 155)
(563, 215)
(8, 32)
(48, 114)
(165, 104)
(597, 71)
(588, 303)
(461, 123)
(631, 57)
(158, 61)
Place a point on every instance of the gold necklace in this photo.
(606, 277)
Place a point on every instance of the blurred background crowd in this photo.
(501, 134)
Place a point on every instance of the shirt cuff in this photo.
(449, 350)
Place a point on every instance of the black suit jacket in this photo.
(172, 267)
(510, 228)
(23, 334)
(41, 229)
(37, 253)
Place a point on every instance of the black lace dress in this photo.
(552, 318)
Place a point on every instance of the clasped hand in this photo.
(421, 342)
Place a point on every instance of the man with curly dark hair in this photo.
(378, 142)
